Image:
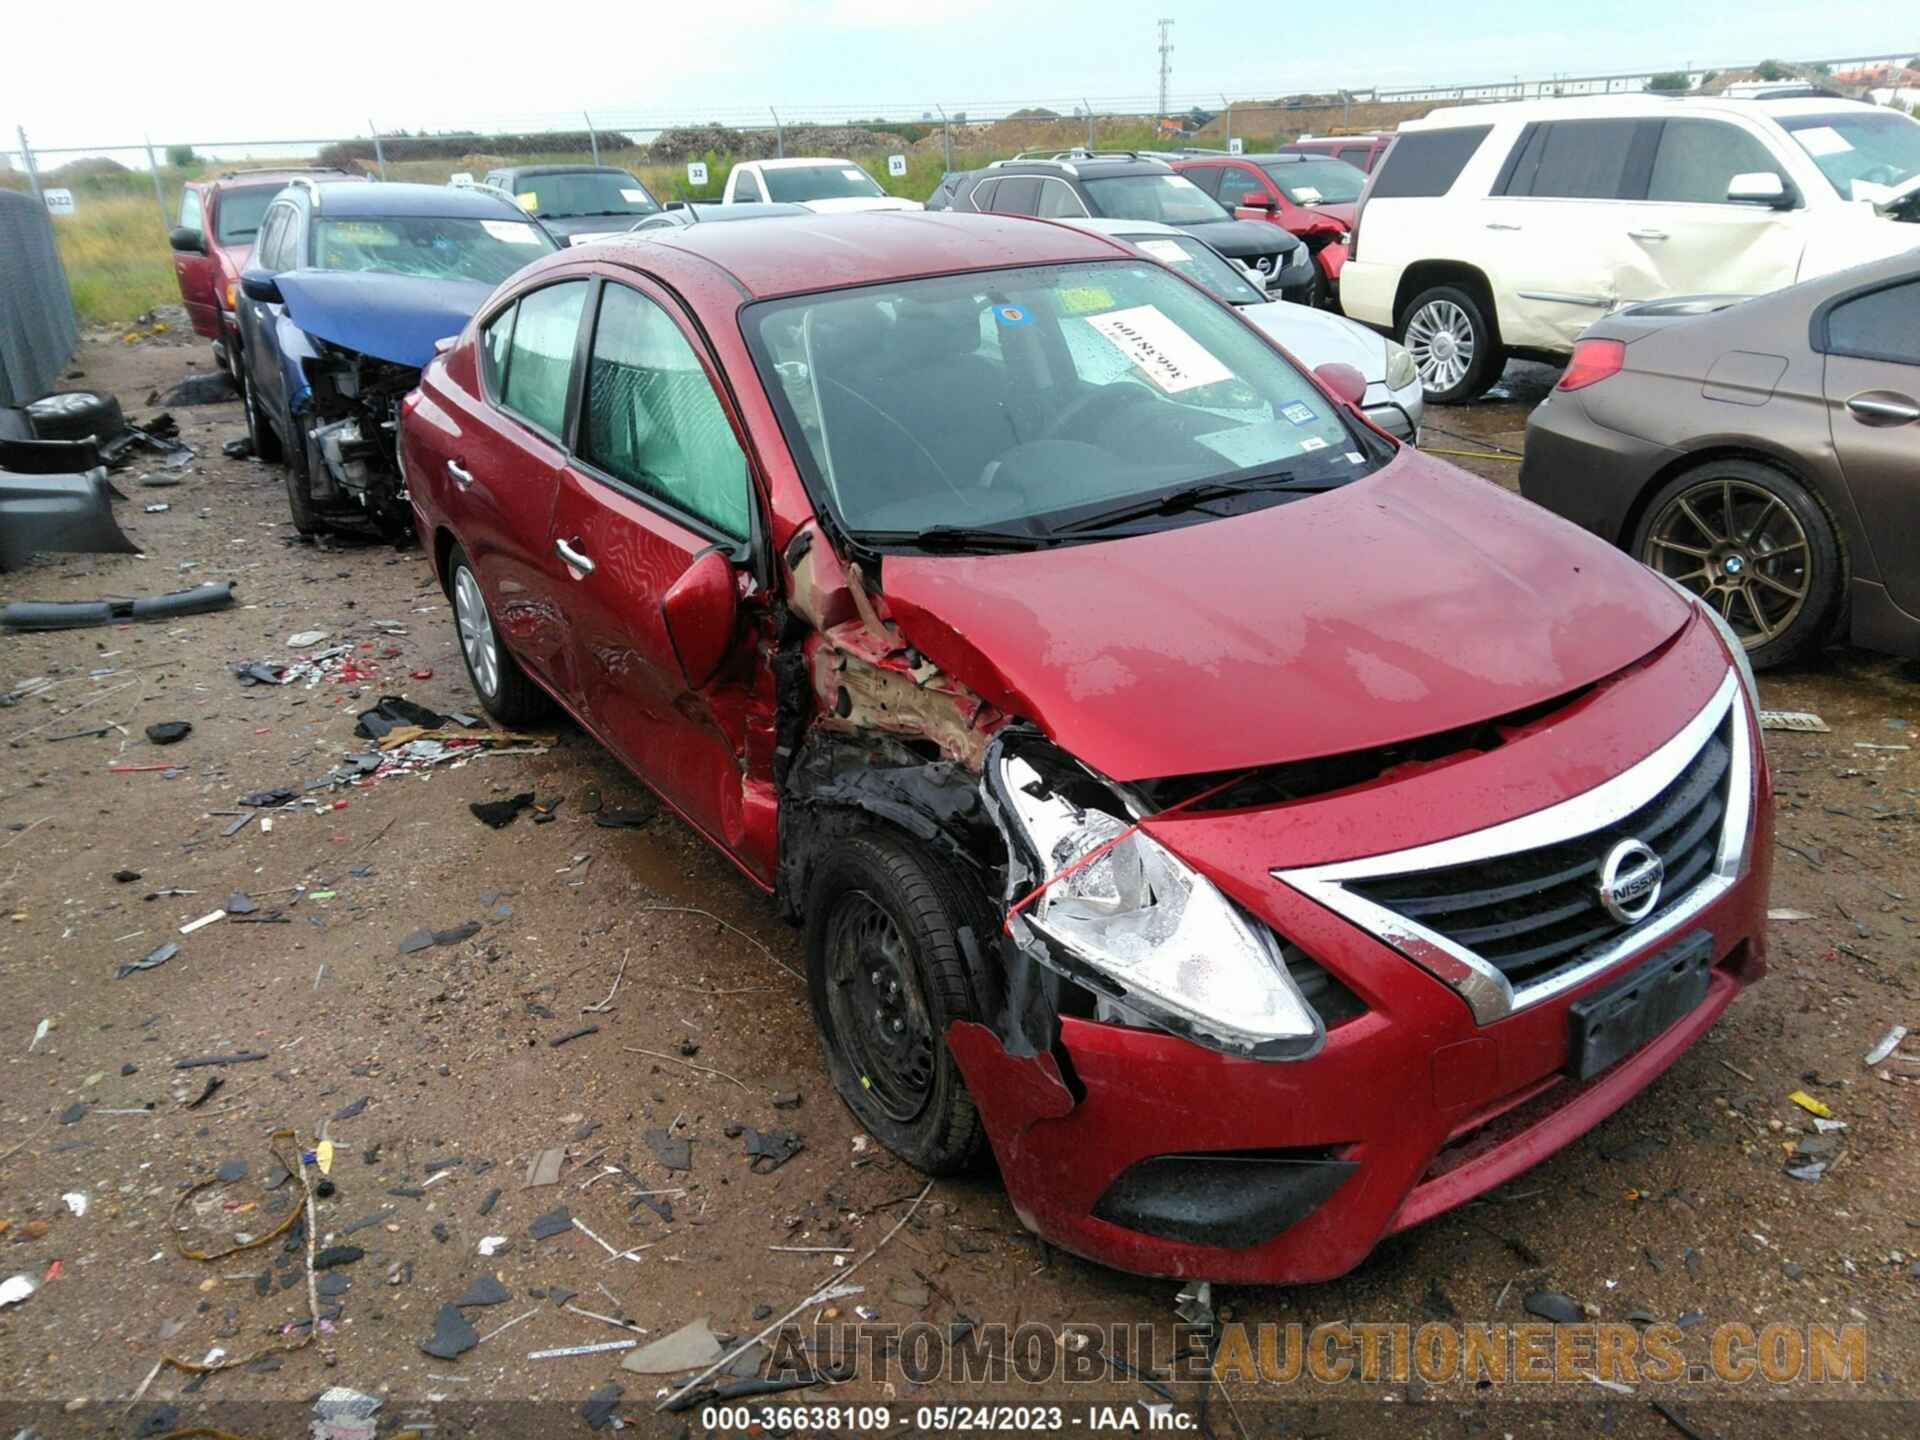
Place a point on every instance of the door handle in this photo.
(1496, 225)
(1646, 234)
(461, 475)
(1883, 409)
(579, 563)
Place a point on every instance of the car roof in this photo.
(1636, 106)
(446, 201)
(796, 162)
(1105, 225)
(558, 170)
(279, 176)
(825, 252)
(1087, 168)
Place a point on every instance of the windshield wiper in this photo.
(951, 538)
(1191, 497)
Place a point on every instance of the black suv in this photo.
(1125, 185)
(576, 199)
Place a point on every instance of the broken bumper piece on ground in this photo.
(72, 513)
(77, 614)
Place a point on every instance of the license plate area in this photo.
(1607, 1027)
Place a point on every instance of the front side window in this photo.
(653, 420)
(428, 247)
(1163, 199)
(1040, 403)
(494, 340)
(540, 355)
(1235, 185)
(1696, 161)
(1865, 154)
(568, 195)
(1319, 182)
(1058, 202)
(1882, 325)
(238, 215)
(799, 183)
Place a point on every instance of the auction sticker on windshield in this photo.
(1079, 299)
(1160, 349)
(511, 231)
(1165, 251)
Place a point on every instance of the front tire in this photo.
(887, 975)
(260, 432)
(1453, 343)
(1757, 546)
(503, 687)
(306, 515)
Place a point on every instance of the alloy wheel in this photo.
(878, 1011)
(1739, 547)
(476, 632)
(1440, 337)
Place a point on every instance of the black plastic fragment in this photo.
(768, 1150)
(485, 1290)
(452, 1335)
(75, 614)
(545, 1227)
(337, 1255)
(498, 814)
(168, 732)
(670, 1150)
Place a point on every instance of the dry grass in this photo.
(117, 258)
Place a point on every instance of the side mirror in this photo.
(1257, 200)
(1346, 383)
(699, 612)
(260, 285)
(187, 242)
(1759, 187)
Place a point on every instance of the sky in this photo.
(109, 72)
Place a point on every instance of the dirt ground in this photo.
(439, 1074)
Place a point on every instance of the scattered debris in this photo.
(238, 1057)
(543, 1169)
(1812, 1106)
(1884, 1046)
(579, 1034)
(169, 732)
(554, 1222)
(77, 614)
(1792, 720)
(686, 1348)
(498, 814)
(153, 959)
(205, 920)
(671, 1151)
(16, 1288)
(597, 1410)
(485, 1290)
(452, 1334)
(1789, 915)
(343, 1414)
(76, 1202)
(306, 638)
(492, 1245)
(1552, 1305)
(604, 1347)
(424, 939)
(768, 1150)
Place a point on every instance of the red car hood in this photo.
(232, 258)
(1413, 601)
(1342, 213)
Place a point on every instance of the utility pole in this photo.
(1166, 63)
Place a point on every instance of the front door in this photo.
(198, 273)
(1873, 404)
(658, 478)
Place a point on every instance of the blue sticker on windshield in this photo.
(1013, 315)
(1299, 414)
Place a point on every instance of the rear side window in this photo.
(653, 420)
(981, 196)
(1017, 195)
(494, 341)
(1359, 159)
(1883, 325)
(540, 355)
(1574, 160)
(1427, 162)
(1696, 160)
(746, 187)
(1207, 177)
(1057, 201)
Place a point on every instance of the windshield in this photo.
(1202, 264)
(429, 247)
(237, 219)
(1163, 199)
(582, 192)
(818, 182)
(1864, 154)
(1318, 182)
(1025, 404)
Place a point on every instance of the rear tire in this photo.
(1756, 545)
(260, 432)
(887, 976)
(1453, 343)
(504, 690)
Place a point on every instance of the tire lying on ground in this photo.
(74, 415)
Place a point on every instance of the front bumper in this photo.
(1584, 472)
(1410, 1108)
(1294, 281)
(1398, 412)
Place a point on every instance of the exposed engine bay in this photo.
(349, 427)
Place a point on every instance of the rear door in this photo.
(1555, 227)
(198, 274)
(659, 477)
(505, 471)
(1688, 238)
(1872, 344)
(274, 252)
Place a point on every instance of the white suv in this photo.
(1498, 230)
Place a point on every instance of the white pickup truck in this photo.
(824, 185)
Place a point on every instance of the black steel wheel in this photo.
(1753, 544)
(887, 976)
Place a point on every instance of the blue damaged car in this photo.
(348, 288)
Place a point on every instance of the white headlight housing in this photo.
(1401, 371)
(1142, 928)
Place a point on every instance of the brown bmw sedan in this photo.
(1764, 453)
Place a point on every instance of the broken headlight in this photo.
(1137, 925)
(1401, 371)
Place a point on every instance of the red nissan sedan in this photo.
(1262, 836)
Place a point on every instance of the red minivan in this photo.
(1261, 835)
(211, 240)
